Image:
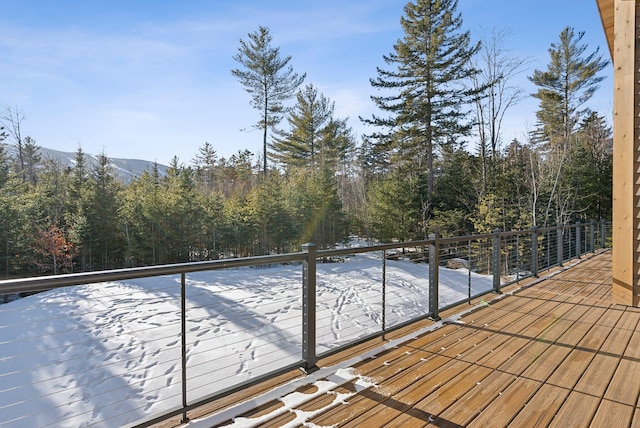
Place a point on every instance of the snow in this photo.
(109, 354)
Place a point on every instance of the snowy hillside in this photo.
(109, 354)
(125, 169)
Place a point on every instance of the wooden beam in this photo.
(626, 154)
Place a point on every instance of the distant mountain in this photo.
(124, 169)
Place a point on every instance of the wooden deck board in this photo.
(541, 408)
(577, 411)
(555, 353)
(612, 414)
(507, 404)
(471, 404)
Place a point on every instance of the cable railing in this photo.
(134, 347)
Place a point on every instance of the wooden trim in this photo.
(626, 162)
(606, 9)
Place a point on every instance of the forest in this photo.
(435, 162)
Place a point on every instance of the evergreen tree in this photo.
(144, 220)
(237, 174)
(300, 147)
(392, 208)
(53, 189)
(571, 79)
(273, 222)
(592, 166)
(316, 138)
(205, 165)
(104, 231)
(30, 160)
(427, 92)
(269, 79)
(241, 230)
(4, 165)
(12, 219)
(457, 190)
(338, 145)
(316, 208)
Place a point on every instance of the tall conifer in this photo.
(269, 79)
(426, 85)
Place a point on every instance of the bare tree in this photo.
(11, 120)
(497, 68)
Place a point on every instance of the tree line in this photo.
(436, 160)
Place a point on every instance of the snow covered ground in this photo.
(109, 354)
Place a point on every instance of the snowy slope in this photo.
(125, 169)
(109, 354)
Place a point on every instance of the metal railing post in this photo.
(434, 261)
(384, 293)
(496, 261)
(560, 244)
(592, 236)
(517, 257)
(309, 308)
(469, 273)
(183, 340)
(534, 251)
(548, 249)
(603, 234)
(578, 240)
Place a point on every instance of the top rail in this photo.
(41, 283)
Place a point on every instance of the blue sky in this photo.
(151, 79)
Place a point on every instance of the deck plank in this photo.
(471, 404)
(577, 411)
(612, 414)
(506, 405)
(542, 407)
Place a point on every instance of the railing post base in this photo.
(308, 370)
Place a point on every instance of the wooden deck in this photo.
(557, 353)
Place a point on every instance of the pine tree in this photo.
(393, 211)
(269, 79)
(571, 79)
(31, 159)
(301, 146)
(592, 166)
(427, 98)
(205, 163)
(316, 139)
(4, 165)
(104, 231)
